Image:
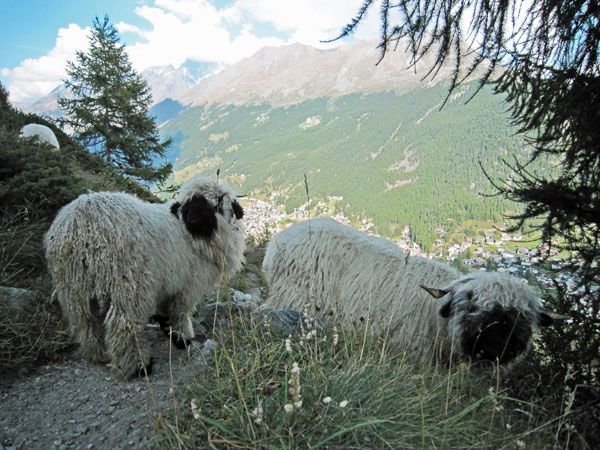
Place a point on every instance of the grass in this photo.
(240, 401)
(34, 332)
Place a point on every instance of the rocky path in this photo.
(79, 405)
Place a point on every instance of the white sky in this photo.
(176, 30)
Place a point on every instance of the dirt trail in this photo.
(78, 405)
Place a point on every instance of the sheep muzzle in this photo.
(497, 334)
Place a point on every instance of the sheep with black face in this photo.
(348, 276)
(117, 261)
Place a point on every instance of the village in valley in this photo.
(492, 250)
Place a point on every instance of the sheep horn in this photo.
(556, 316)
(435, 293)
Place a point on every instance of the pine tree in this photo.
(108, 110)
(544, 56)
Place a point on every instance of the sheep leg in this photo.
(126, 344)
(173, 316)
(182, 330)
(85, 320)
(89, 334)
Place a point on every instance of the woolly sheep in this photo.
(41, 133)
(351, 276)
(117, 261)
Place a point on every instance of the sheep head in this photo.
(202, 204)
(491, 315)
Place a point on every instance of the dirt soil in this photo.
(79, 405)
(75, 404)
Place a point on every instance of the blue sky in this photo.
(28, 28)
(37, 37)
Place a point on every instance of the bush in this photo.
(564, 371)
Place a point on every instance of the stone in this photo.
(14, 302)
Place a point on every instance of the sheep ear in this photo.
(199, 217)
(435, 293)
(547, 318)
(446, 309)
(175, 208)
(237, 209)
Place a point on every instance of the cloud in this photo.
(34, 78)
(177, 30)
(311, 21)
(192, 29)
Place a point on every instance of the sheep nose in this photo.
(499, 335)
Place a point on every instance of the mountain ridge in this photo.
(298, 72)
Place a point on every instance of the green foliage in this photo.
(109, 108)
(390, 402)
(363, 145)
(34, 177)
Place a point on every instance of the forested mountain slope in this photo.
(397, 159)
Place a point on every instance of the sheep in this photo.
(117, 261)
(40, 132)
(348, 275)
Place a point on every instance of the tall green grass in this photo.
(354, 395)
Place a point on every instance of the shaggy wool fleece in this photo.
(116, 260)
(350, 277)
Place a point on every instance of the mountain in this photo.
(164, 82)
(46, 106)
(168, 82)
(295, 73)
(371, 138)
(393, 159)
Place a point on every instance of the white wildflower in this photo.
(520, 444)
(288, 344)
(336, 336)
(294, 389)
(288, 408)
(257, 413)
(344, 403)
(195, 409)
(327, 400)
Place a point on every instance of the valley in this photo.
(396, 160)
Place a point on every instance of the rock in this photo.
(238, 296)
(15, 301)
(208, 347)
(284, 322)
(224, 310)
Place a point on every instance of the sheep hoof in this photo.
(163, 322)
(147, 370)
(180, 341)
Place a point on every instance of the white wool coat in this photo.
(116, 260)
(41, 132)
(349, 277)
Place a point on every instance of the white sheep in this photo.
(41, 132)
(116, 261)
(350, 276)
